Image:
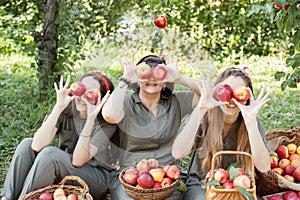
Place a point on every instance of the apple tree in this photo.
(286, 15)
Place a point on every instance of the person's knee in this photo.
(52, 154)
(24, 146)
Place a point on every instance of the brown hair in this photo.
(212, 128)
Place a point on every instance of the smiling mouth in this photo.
(231, 106)
(151, 84)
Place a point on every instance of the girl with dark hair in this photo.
(83, 144)
(149, 118)
(215, 126)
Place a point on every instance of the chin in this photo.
(81, 107)
(230, 110)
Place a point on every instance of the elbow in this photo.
(176, 154)
(112, 118)
(35, 147)
(77, 163)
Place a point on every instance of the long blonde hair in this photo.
(212, 130)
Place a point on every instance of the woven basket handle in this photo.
(213, 163)
(75, 178)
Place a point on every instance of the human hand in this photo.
(93, 110)
(62, 93)
(251, 111)
(207, 100)
(173, 74)
(129, 69)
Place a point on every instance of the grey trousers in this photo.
(118, 193)
(195, 193)
(29, 171)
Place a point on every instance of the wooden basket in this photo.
(268, 182)
(212, 193)
(148, 194)
(70, 189)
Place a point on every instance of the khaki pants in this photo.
(29, 171)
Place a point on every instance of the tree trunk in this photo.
(46, 41)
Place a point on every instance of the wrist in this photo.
(126, 81)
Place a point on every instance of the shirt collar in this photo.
(137, 99)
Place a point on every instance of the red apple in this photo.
(77, 88)
(289, 177)
(296, 174)
(157, 185)
(298, 7)
(279, 7)
(132, 169)
(143, 165)
(166, 167)
(274, 161)
(173, 172)
(283, 163)
(295, 162)
(145, 180)
(91, 95)
(160, 21)
(221, 175)
(282, 151)
(290, 195)
(143, 71)
(130, 178)
(72, 197)
(242, 181)
(159, 73)
(157, 174)
(166, 182)
(60, 197)
(45, 196)
(289, 170)
(241, 93)
(228, 185)
(153, 163)
(59, 191)
(223, 92)
(276, 197)
(242, 171)
(298, 80)
(277, 170)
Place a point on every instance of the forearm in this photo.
(45, 134)
(84, 151)
(259, 150)
(113, 110)
(185, 139)
(189, 82)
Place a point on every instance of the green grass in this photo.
(22, 112)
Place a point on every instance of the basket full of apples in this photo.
(233, 182)
(149, 180)
(284, 160)
(61, 191)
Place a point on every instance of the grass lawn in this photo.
(22, 112)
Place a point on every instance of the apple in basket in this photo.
(145, 180)
(221, 175)
(153, 163)
(276, 197)
(290, 195)
(59, 191)
(173, 172)
(143, 165)
(242, 181)
(45, 196)
(157, 174)
(72, 197)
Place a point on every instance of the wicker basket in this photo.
(268, 182)
(212, 193)
(148, 194)
(83, 191)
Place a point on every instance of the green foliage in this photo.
(286, 14)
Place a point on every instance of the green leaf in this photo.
(244, 192)
(233, 173)
(212, 182)
(182, 186)
(279, 75)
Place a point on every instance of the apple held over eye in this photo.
(91, 95)
(143, 71)
(159, 73)
(45, 196)
(160, 21)
(223, 92)
(77, 88)
(241, 94)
